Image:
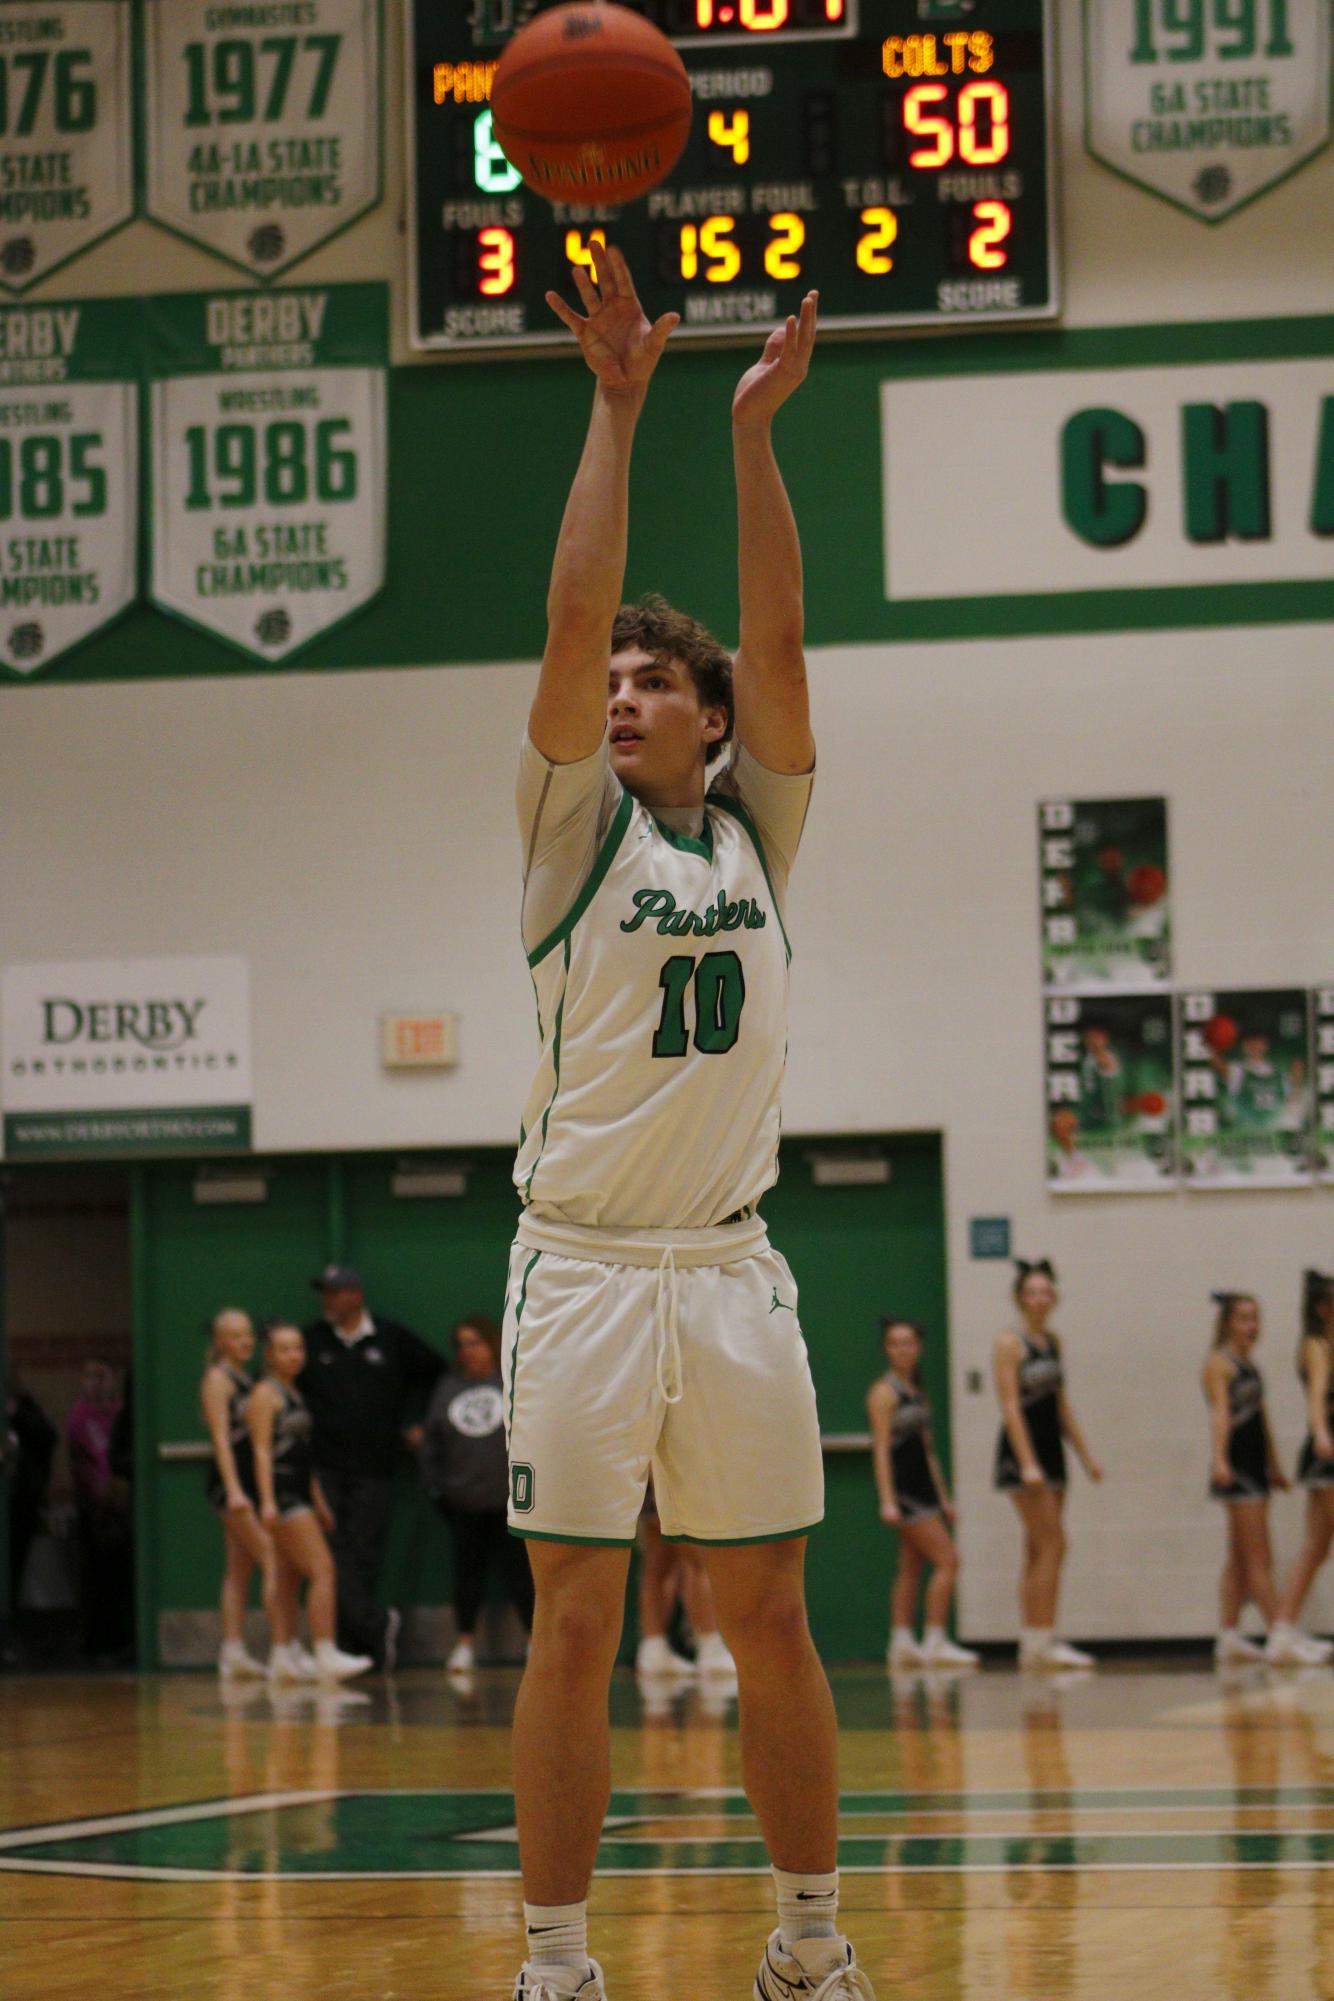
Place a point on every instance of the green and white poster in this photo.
(263, 124)
(69, 475)
(1110, 1094)
(66, 132)
(1246, 1100)
(268, 460)
(125, 1056)
(1207, 103)
(1322, 1009)
(1106, 906)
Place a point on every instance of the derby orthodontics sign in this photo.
(125, 1056)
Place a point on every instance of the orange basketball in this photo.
(591, 103)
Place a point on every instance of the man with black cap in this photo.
(363, 1375)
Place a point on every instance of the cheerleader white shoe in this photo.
(332, 1664)
(1231, 1649)
(1056, 1654)
(234, 1662)
(814, 1969)
(940, 1651)
(1286, 1647)
(904, 1652)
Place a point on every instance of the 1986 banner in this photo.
(1110, 1094)
(263, 124)
(69, 458)
(268, 460)
(1246, 1100)
(66, 133)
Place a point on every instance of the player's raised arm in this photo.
(622, 349)
(772, 705)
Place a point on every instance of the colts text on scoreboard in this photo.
(895, 154)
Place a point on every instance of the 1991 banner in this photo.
(268, 457)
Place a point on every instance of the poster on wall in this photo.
(125, 1056)
(1207, 105)
(264, 124)
(66, 133)
(1322, 1029)
(1246, 1099)
(1106, 906)
(268, 460)
(69, 476)
(1110, 1094)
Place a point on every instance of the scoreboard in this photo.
(895, 154)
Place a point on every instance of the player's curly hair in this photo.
(658, 628)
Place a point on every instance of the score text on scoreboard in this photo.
(895, 154)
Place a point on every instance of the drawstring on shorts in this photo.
(667, 1330)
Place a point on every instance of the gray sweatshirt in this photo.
(463, 1458)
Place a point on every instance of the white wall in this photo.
(352, 836)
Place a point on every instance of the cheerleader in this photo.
(1036, 1421)
(1315, 1467)
(1244, 1471)
(913, 1500)
(223, 1395)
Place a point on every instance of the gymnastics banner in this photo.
(1106, 905)
(1322, 1009)
(1246, 1099)
(66, 133)
(268, 460)
(69, 475)
(1110, 1094)
(264, 124)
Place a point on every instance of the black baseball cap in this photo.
(338, 1278)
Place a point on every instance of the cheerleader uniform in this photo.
(1041, 1378)
(1247, 1446)
(293, 1465)
(238, 1437)
(914, 1484)
(1312, 1471)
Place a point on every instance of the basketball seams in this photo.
(574, 146)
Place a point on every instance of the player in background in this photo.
(914, 1500)
(1036, 1421)
(1315, 1466)
(223, 1396)
(648, 1322)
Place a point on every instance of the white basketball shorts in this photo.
(679, 1351)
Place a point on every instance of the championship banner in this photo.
(1207, 103)
(1106, 909)
(1110, 1094)
(112, 1056)
(66, 133)
(1246, 1102)
(269, 460)
(264, 124)
(1322, 1007)
(69, 475)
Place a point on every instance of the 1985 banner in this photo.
(1110, 1094)
(268, 459)
(1246, 1102)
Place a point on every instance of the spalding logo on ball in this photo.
(591, 103)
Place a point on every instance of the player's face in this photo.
(236, 1337)
(902, 1349)
(287, 1352)
(1244, 1323)
(1255, 1048)
(1037, 1296)
(660, 734)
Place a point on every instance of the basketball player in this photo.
(648, 1322)
(1036, 1420)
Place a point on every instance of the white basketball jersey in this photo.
(662, 1002)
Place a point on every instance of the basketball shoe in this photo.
(814, 1969)
(535, 1983)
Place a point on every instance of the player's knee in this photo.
(576, 1634)
(770, 1623)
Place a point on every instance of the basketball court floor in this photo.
(1157, 1834)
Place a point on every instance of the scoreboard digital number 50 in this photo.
(896, 154)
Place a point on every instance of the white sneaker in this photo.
(535, 1985)
(654, 1657)
(1060, 1654)
(304, 1662)
(1286, 1647)
(283, 1665)
(332, 1664)
(1231, 1648)
(816, 1969)
(234, 1660)
(463, 1659)
(942, 1652)
(712, 1656)
(904, 1652)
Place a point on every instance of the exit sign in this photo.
(419, 1041)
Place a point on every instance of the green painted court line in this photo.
(386, 1835)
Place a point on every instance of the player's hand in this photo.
(889, 1512)
(269, 1515)
(619, 344)
(1033, 1476)
(950, 1512)
(238, 1501)
(324, 1515)
(1324, 1446)
(1094, 1471)
(780, 369)
(1278, 1478)
(1222, 1473)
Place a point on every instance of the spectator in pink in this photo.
(102, 1501)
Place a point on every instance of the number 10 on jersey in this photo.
(716, 987)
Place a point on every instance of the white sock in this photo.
(558, 1936)
(807, 1906)
(934, 1636)
(902, 1636)
(1035, 1639)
